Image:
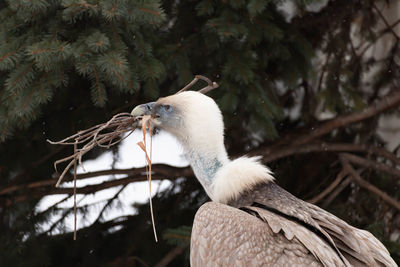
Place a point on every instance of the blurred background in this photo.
(311, 85)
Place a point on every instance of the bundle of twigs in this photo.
(103, 135)
(108, 134)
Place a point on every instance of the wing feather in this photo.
(360, 244)
(226, 236)
(359, 247)
(315, 244)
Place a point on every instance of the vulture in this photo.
(251, 221)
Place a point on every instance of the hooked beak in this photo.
(143, 109)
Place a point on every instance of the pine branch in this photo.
(151, 12)
(7, 55)
(62, 218)
(109, 202)
(49, 209)
(380, 35)
(170, 256)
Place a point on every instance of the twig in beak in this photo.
(211, 85)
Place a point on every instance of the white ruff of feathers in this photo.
(202, 135)
(238, 176)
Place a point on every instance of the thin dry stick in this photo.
(75, 145)
(146, 120)
(149, 176)
(211, 85)
(188, 85)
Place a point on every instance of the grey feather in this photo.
(315, 244)
(353, 245)
(226, 236)
(278, 235)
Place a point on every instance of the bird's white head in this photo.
(193, 118)
(196, 121)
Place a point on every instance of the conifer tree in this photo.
(47, 46)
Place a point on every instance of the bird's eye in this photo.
(167, 107)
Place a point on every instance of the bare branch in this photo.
(159, 169)
(89, 189)
(329, 189)
(385, 21)
(336, 192)
(387, 102)
(285, 146)
(380, 35)
(364, 184)
(370, 164)
(272, 153)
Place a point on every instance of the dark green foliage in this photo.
(41, 50)
(66, 65)
(179, 236)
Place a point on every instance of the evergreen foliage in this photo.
(45, 44)
(66, 65)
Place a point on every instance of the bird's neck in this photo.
(205, 151)
(205, 169)
(221, 178)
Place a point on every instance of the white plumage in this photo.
(237, 176)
